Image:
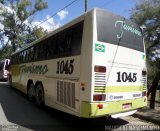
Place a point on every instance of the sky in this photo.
(120, 7)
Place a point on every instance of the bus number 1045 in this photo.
(124, 77)
(65, 67)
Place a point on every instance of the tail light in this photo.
(99, 97)
(144, 93)
(101, 69)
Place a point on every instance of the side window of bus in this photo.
(68, 41)
(77, 39)
(31, 54)
(42, 50)
(51, 45)
(13, 59)
(16, 61)
(36, 52)
(24, 55)
(27, 55)
(60, 44)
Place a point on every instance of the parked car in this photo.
(4, 64)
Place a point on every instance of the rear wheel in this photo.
(39, 95)
(31, 92)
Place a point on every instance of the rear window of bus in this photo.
(117, 30)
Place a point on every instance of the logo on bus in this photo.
(115, 97)
(34, 69)
(126, 27)
(100, 48)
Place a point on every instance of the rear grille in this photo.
(100, 82)
(66, 93)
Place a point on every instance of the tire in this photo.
(31, 92)
(39, 95)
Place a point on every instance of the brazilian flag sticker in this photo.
(100, 48)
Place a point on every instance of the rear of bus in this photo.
(118, 83)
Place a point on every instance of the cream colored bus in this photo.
(91, 67)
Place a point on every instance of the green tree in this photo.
(16, 17)
(147, 15)
(5, 52)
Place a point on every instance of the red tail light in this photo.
(99, 97)
(101, 69)
(144, 93)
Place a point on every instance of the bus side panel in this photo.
(16, 78)
(86, 59)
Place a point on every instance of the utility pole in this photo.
(86, 5)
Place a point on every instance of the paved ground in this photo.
(149, 114)
(17, 113)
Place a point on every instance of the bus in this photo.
(93, 66)
(4, 69)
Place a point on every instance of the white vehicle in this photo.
(91, 67)
(3, 69)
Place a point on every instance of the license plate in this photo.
(127, 106)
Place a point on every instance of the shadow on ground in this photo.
(20, 111)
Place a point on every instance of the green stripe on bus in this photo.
(123, 88)
(113, 89)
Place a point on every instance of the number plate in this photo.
(127, 106)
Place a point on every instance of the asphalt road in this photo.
(17, 113)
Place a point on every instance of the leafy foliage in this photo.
(147, 15)
(16, 17)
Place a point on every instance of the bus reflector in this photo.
(99, 97)
(101, 69)
(100, 106)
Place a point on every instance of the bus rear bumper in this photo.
(113, 109)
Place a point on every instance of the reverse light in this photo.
(144, 72)
(101, 69)
(99, 97)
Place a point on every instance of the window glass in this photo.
(117, 30)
